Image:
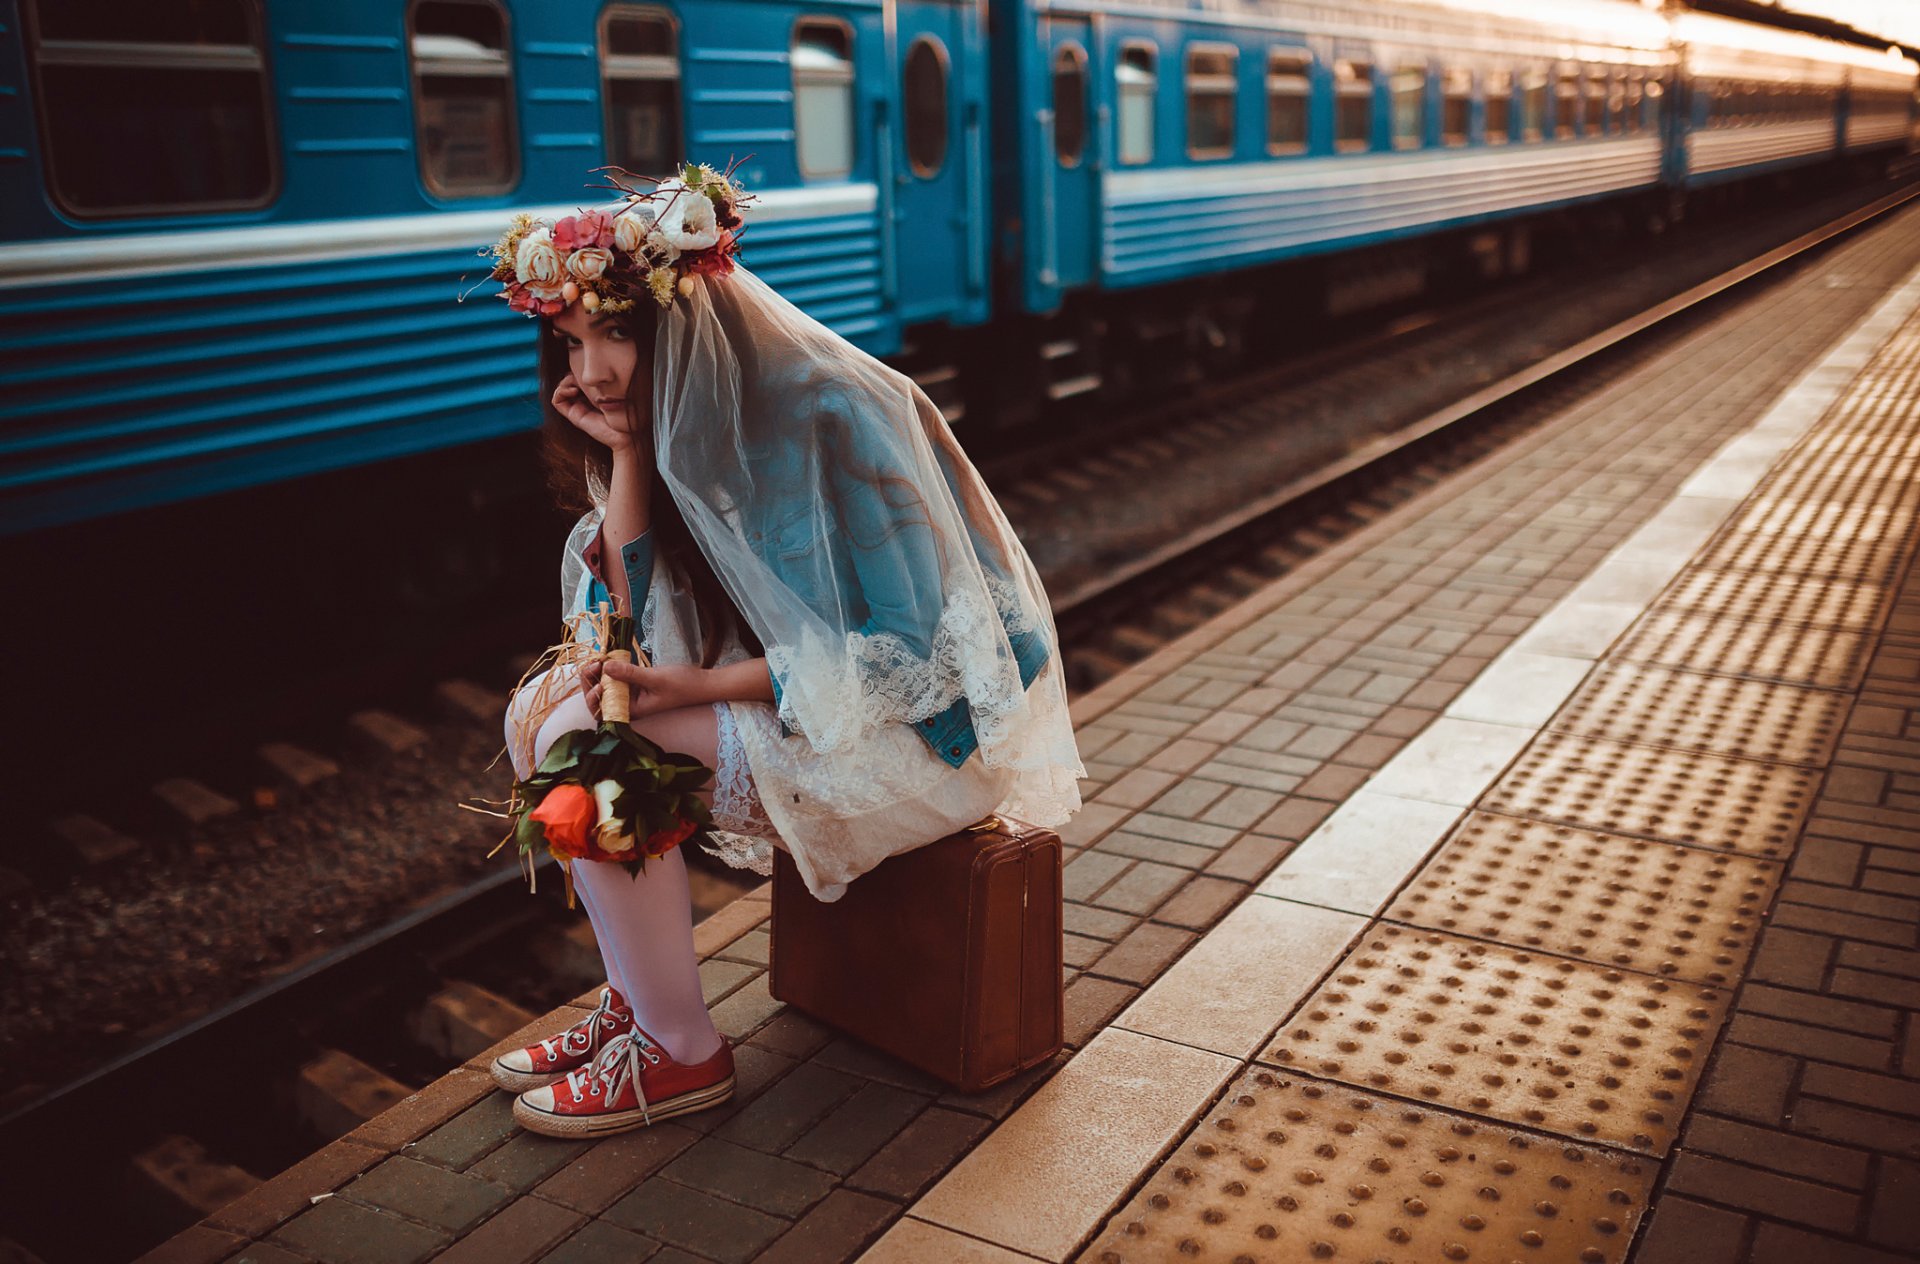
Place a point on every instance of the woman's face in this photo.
(614, 371)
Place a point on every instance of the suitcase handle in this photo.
(988, 824)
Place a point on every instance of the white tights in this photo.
(643, 924)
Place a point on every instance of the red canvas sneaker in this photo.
(521, 1069)
(631, 1083)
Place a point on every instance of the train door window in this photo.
(169, 112)
(822, 60)
(1353, 105)
(1593, 117)
(1656, 103)
(1499, 106)
(1288, 95)
(463, 97)
(640, 88)
(1456, 106)
(1566, 103)
(924, 89)
(1533, 104)
(1069, 104)
(1408, 88)
(1137, 83)
(1211, 98)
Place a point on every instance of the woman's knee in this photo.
(691, 731)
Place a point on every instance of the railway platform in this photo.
(1532, 875)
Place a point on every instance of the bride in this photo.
(836, 615)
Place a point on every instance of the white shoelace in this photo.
(613, 1066)
(583, 1036)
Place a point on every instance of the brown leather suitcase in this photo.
(947, 956)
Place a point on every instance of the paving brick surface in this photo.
(1208, 764)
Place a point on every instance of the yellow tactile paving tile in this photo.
(1289, 1169)
(1814, 600)
(1720, 715)
(1818, 657)
(1702, 800)
(1565, 1046)
(1658, 908)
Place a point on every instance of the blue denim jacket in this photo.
(950, 733)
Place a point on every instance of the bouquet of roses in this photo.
(607, 794)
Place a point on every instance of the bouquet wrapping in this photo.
(609, 794)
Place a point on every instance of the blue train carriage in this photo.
(1162, 142)
(1763, 99)
(232, 231)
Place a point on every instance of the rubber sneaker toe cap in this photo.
(540, 1099)
(516, 1060)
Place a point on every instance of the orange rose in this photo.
(566, 814)
(662, 841)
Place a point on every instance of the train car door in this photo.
(1065, 161)
(937, 161)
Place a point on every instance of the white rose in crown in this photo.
(687, 221)
(589, 263)
(630, 228)
(606, 831)
(537, 264)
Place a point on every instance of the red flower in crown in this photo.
(716, 261)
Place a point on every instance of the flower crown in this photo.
(652, 246)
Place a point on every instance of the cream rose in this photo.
(630, 228)
(537, 264)
(606, 831)
(589, 263)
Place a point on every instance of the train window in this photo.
(1288, 94)
(1138, 86)
(1656, 102)
(1617, 103)
(170, 114)
(640, 88)
(1353, 105)
(1533, 104)
(1211, 92)
(1566, 103)
(462, 97)
(1408, 88)
(1069, 103)
(1499, 107)
(1456, 106)
(1593, 118)
(924, 89)
(1634, 95)
(822, 60)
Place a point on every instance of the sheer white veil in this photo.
(856, 538)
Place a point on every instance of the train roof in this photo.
(1571, 24)
(1729, 46)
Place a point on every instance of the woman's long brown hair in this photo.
(566, 452)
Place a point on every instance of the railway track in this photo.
(208, 1110)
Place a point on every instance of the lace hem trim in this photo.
(835, 696)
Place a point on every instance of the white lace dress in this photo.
(837, 818)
